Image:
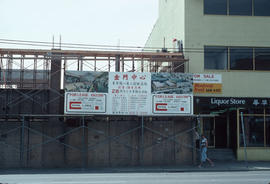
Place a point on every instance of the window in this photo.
(240, 7)
(254, 131)
(215, 58)
(257, 128)
(217, 7)
(262, 58)
(267, 130)
(261, 7)
(241, 59)
(237, 7)
(252, 110)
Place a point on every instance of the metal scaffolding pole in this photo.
(200, 134)
(142, 143)
(84, 151)
(244, 138)
(22, 144)
(117, 63)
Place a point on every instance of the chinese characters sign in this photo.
(129, 93)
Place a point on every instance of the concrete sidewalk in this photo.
(219, 167)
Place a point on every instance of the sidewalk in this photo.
(219, 167)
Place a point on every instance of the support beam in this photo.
(22, 72)
(142, 142)
(133, 64)
(22, 143)
(95, 64)
(84, 145)
(117, 63)
(123, 64)
(109, 64)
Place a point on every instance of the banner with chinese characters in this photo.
(128, 93)
(207, 83)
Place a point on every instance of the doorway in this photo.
(216, 131)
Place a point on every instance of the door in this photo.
(215, 129)
(209, 130)
(221, 132)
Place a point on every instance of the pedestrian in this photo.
(204, 145)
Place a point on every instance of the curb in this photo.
(128, 170)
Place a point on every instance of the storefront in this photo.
(236, 120)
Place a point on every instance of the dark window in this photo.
(267, 128)
(261, 7)
(241, 59)
(254, 131)
(267, 110)
(262, 59)
(215, 58)
(240, 7)
(252, 111)
(217, 7)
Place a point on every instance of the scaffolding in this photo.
(36, 77)
(25, 127)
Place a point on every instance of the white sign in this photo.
(85, 103)
(129, 93)
(207, 78)
(172, 104)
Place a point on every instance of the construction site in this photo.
(36, 133)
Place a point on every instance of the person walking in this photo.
(204, 145)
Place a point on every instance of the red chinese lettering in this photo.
(143, 77)
(134, 76)
(116, 77)
(125, 77)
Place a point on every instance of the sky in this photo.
(97, 22)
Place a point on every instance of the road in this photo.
(261, 177)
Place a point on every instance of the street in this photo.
(258, 177)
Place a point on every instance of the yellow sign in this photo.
(207, 88)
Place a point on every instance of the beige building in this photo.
(230, 38)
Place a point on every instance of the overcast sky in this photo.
(102, 22)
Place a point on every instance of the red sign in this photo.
(161, 107)
(75, 105)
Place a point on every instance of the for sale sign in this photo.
(172, 104)
(85, 103)
(207, 83)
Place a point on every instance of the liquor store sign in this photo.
(233, 102)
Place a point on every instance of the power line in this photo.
(74, 45)
(123, 48)
(85, 46)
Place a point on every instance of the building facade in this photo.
(230, 38)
